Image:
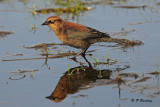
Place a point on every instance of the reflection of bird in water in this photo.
(80, 36)
(82, 78)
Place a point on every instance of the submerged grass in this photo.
(118, 76)
(157, 70)
(75, 7)
(4, 34)
(33, 27)
(12, 77)
(75, 10)
(20, 74)
(107, 57)
(75, 69)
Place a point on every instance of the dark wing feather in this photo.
(80, 32)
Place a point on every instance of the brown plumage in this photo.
(77, 35)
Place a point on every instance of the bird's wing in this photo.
(77, 31)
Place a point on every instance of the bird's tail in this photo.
(126, 42)
(122, 42)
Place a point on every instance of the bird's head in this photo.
(53, 22)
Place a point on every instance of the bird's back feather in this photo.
(78, 31)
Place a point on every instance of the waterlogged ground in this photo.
(29, 77)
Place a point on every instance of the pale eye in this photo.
(51, 21)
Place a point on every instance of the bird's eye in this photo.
(51, 21)
(56, 98)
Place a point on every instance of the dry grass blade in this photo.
(5, 33)
(49, 57)
(131, 7)
(143, 79)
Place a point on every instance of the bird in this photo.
(80, 36)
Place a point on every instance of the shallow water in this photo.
(28, 76)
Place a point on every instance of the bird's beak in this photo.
(45, 23)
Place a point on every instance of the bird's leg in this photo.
(82, 52)
(74, 58)
(90, 66)
(79, 53)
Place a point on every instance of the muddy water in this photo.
(29, 77)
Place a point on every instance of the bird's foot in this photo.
(83, 54)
